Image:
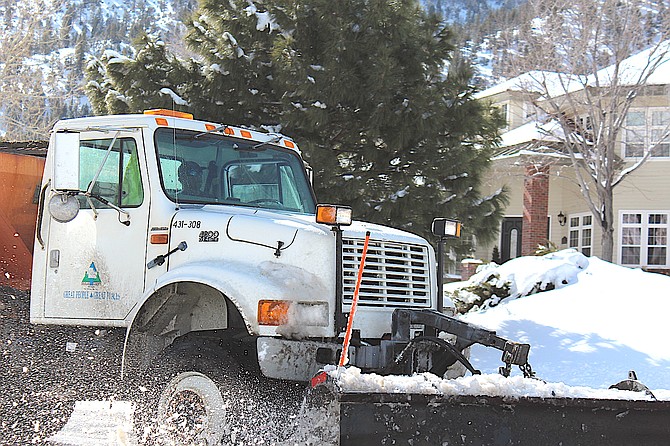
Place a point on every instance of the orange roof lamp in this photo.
(169, 113)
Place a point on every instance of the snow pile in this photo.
(528, 274)
(593, 322)
(519, 277)
(495, 385)
(599, 322)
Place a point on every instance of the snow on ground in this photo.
(591, 332)
(599, 322)
(352, 380)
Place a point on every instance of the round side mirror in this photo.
(63, 208)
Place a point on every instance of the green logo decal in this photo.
(91, 276)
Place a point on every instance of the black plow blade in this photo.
(482, 420)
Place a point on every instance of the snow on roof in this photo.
(631, 70)
(550, 131)
(539, 82)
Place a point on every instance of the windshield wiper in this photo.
(273, 140)
(215, 129)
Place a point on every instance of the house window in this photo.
(504, 111)
(644, 238)
(645, 129)
(581, 233)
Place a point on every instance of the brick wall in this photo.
(469, 268)
(535, 208)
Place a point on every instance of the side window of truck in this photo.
(119, 181)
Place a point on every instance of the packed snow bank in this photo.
(601, 321)
(519, 277)
(352, 380)
(588, 322)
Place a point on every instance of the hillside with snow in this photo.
(45, 44)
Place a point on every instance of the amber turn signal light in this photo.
(330, 214)
(170, 113)
(273, 312)
(159, 239)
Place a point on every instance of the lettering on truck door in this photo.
(96, 263)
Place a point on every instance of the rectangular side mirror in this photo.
(66, 161)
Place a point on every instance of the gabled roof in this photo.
(534, 81)
(533, 139)
(632, 68)
(630, 71)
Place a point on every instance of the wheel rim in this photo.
(191, 410)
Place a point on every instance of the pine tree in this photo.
(239, 76)
(382, 113)
(118, 84)
(385, 129)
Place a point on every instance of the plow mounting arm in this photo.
(433, 322)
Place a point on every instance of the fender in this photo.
(241, 284)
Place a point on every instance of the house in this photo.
(546, 203)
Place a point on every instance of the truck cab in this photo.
(166, 226)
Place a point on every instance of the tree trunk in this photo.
(607, 225)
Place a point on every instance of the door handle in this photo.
(40, 213)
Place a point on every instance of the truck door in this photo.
(95, 263)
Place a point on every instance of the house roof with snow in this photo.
(650, 66)
(534, 82)
(532, 139)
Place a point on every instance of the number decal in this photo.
(208, 236)
(190, 224)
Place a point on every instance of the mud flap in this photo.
(417, 419)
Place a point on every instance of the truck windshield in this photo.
(210, 168)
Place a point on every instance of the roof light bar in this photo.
(170, 113)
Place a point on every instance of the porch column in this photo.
(535, 208)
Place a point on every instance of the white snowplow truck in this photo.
(209, 237)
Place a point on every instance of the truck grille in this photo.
(395, 274)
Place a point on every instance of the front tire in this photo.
(192, 410)
(198, 392)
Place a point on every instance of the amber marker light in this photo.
(331, 214)
(159, 239)
(273, 312)
(170, 113)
